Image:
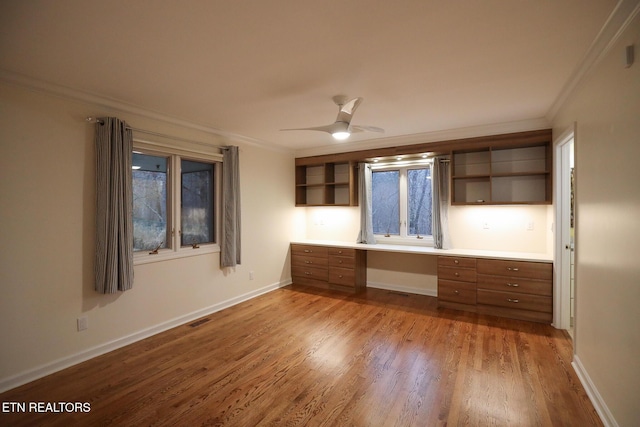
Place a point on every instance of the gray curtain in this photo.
(114, 206)
(230, 245)
(366, 212)
(441, 175)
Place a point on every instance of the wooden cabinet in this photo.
(327, 184)
(502, 175)
(309, 264)
(329, 267)
(457, 283)
(522, 290)
(514, 289)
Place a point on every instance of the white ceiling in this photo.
(251, 68)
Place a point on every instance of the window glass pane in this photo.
(419, 194)
(386, 202)
(149, 202)
(197, 196)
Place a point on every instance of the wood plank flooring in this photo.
(306, 357)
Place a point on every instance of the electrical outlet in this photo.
(83, 323)
(485, 225)
(251, 275)
(530, 226)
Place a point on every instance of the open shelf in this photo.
(326, 184)
(502, 175)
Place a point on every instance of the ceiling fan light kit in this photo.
(341, 129)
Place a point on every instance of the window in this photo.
(402, 203)
(150, 202)
(175, 203)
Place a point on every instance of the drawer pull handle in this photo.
(308, 273)
(455, 261)
(456, 292)
(456, 274)
(513, 269)
(340, 276)
(515, 285)
(515, 301)
(308, 251)
(339, 252)
(308, 262)
(340, 262)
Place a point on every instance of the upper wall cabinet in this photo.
(327, 184)
(519, 174)
(513, 168)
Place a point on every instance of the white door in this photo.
(564, 288)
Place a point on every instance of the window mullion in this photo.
(175, 220)
(403, 203)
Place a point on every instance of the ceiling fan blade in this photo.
(327, 128)
(362, 128)
(347, 109)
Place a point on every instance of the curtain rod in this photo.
(92, 119)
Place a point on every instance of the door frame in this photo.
(562, 212)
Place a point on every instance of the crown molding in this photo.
(100, 101)
(427, 137)
(617, 22)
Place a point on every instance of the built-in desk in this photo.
(428, 250)
(508, 284)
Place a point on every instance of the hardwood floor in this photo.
(309, 357)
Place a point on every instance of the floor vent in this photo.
(199, 322)
(402, 294)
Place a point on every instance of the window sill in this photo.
(168, 254)
(407, 241)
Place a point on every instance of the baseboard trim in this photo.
(398, 288)
(596, 399)
(66, 362)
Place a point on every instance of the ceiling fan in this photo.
(342, 127)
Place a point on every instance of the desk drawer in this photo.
(457, 274)
(309, 250)
(342, 276)
(304, 260)
(459, 292)
(519, 285)
(341, 261)
(449, 261)
(530, 270)
(342, 252)
(515, 300)
(309, 272)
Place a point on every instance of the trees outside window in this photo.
(402, 201)
(175, 201)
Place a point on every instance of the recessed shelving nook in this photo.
(326, 184)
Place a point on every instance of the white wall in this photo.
(46, 257)
(606, 108)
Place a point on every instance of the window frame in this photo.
(175, 155)
(403, 167)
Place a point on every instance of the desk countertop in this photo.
(428, 250)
